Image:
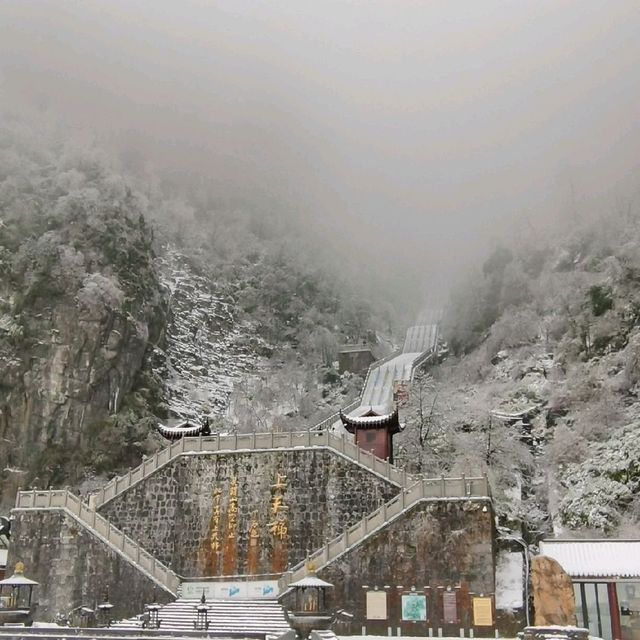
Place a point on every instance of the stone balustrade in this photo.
(97, 525)
(253, 442)
(424, 489)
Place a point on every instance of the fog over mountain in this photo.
(411, 129)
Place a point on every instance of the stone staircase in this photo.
(420, 338)
(419, 345)
(379, 387)
(252, 617)
(425, 489)
(265, 616)
(252, 442)
(101, 528)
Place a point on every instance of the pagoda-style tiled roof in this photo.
(372, 420)
(183, 429)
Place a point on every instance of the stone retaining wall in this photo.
(246, 513)
(436, 544)
(74, 567)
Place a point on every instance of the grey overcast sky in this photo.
(425, 126)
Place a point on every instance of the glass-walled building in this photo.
(606, 584)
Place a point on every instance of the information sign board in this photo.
(376, 605)
(414, 607)
(483, 612)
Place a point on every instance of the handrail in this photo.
(424, 489)
(100, 526)
(119, 484)
(420, 359)
(251, 442)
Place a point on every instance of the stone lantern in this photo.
(104, 611)
(201, 622)
(152, 616)
(16, 595)
(309, 610)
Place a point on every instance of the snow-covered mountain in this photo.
(207, 348)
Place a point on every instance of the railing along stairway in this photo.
(100, 527)
(425, 489)
(252, 442)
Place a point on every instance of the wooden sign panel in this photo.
(376, 605)
(414, 607)
(450, 607)
(483, 612)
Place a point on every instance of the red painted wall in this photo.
(374, 440)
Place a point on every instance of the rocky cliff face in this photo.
(80, 302)
(56, 391)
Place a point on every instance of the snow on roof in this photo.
(311, 581)
(17, 579)
(183, 429)
(375, 420)
(595, 558)
(349, 348)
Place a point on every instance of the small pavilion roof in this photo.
(311, 580)
(372, 420)
(183, 429)
(17, 580)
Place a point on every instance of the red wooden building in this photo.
(374, 431)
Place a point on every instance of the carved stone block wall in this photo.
(74, 568)
(246, 513)
(437, 545)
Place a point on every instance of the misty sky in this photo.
(428, 123)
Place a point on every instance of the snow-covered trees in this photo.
(565, 340)
(601, 487)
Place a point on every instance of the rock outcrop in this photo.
(553, 600)
(80, 303)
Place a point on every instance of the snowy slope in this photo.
(207, 350)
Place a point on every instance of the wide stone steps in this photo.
(380, 384)
(420, 338)
(224, 616)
